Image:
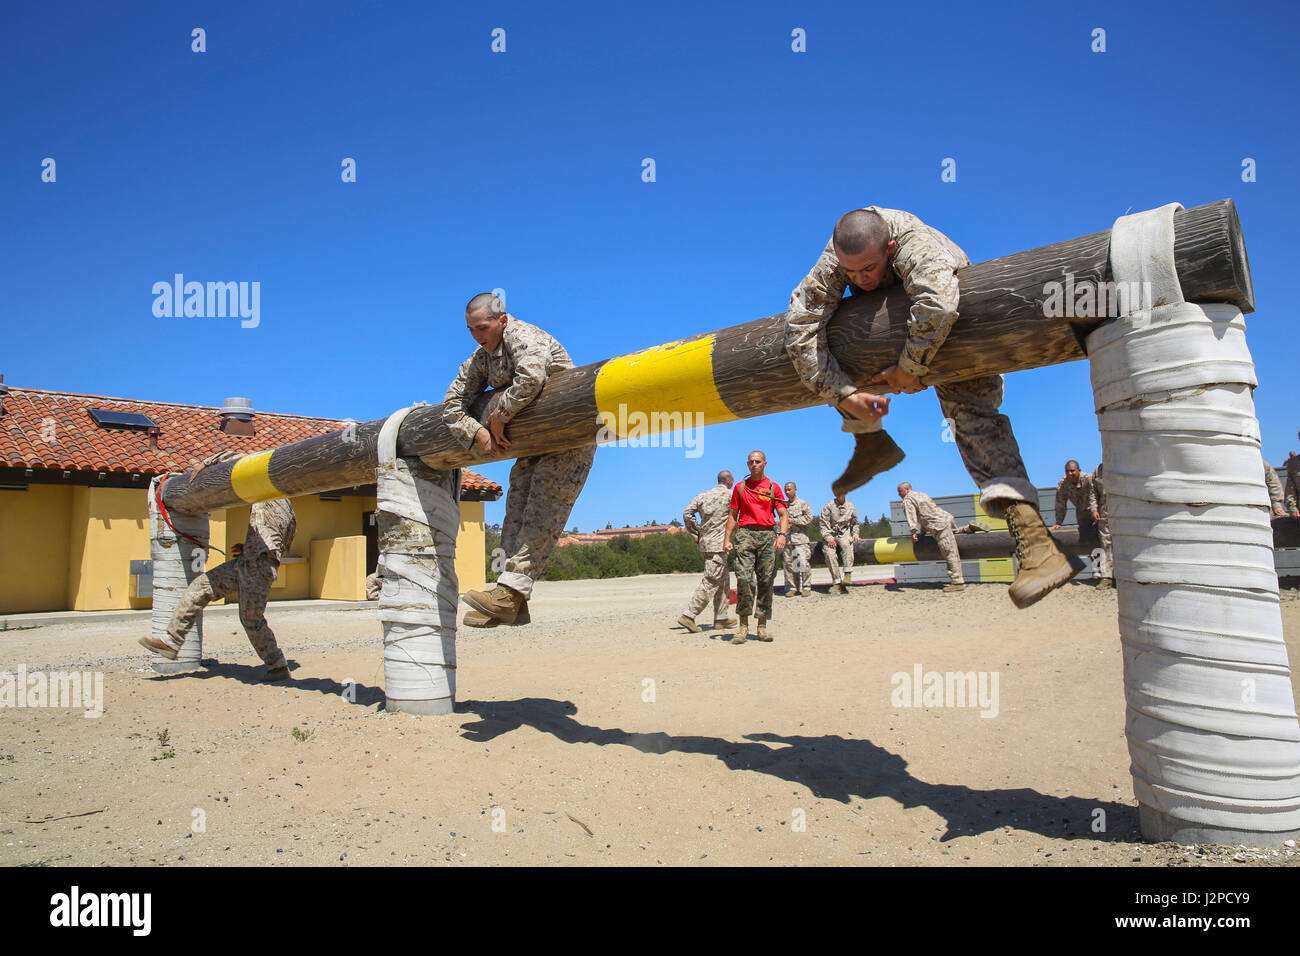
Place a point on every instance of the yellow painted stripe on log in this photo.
(250, 480)
(889, 550)
(995, 524)
(997, 569)
(661, 389)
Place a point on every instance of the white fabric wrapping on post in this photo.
(175, 564)
(418, 513)
(1211, 725)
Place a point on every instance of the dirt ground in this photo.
(600, 734)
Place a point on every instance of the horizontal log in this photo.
(743, 371)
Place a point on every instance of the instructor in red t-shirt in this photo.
(751, 534)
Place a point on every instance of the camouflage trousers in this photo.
(714, 588)
(755, 550)
(1102, 530)
(986, 443)
(797, 561)
(251, 580)
(838, 553)
(542, 491)
(946, 539)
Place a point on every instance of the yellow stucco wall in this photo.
(108, 529)
(34, 548)
(471, 544)
(67, 548)
(338, 568)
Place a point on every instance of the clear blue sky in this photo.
(522, 170)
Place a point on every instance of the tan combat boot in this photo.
(688, 622)
(1105, 584)
(950, 588)
(160, 647)
(873, 452)
(1041, 566)
(478, 619)
(725, 622)
(762, 630)
(741, 631)
(501, 604)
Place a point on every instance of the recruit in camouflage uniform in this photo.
(797, 556)
(839, 527)
(709, 533)
(1103, 525)
(1080, 489)
(518, 358)
(755, 543)
(1291, 489)
(271, 526)
(926, 517)
(925, 261)
(1276, 497)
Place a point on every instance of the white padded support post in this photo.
(176, 562)
(1211, 721)
(418, 514)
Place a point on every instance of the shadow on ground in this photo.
(362, 694)
(831, 767)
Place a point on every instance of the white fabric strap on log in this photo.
(419, 594)
(1211, 725)
(176, 562)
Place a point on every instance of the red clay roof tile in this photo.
(44, 429)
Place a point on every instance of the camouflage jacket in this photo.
(924, 260)
(923, 515)
(1276, 498)
(712, 507)
(799, 516)
(520, 365)
(838, 520)
(1083, 496)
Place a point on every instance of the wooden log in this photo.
(743, 371)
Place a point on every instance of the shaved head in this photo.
(904, 488)
(726, 478)
(486, 303)
(860, 231)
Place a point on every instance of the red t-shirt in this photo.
(756, 503)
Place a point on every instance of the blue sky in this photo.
(522, 170)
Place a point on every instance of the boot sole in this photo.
(488, 612)
(488, 620)
(839, 487)
(158, 647)
(1064, 573)
(687, 623)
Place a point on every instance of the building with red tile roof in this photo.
(75, 468)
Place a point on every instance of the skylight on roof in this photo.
(130, 421)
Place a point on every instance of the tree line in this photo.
(625, 557)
